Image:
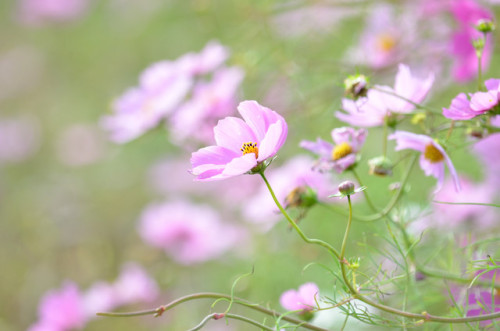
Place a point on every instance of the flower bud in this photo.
(356, 86)
(380, 166)
(302, 196)
(485, 25)
(346, 188)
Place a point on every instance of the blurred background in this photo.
(73, 200)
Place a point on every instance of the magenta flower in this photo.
(61, 310)
(433, 156)
(378, 105)
(340, 156)
(467, 13)
(480, 102)
(241, 145)
(304, 299)
(188, 233)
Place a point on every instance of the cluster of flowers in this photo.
(191, 93)
(67, 308)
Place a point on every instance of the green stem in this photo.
(479, 72)
(160, 310)
(232, 316)
(295, 226)
(348, 229)
(424, 316)
(367, 197)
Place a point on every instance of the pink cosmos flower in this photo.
(241, 145)
(61, 310)
(162, 88)
(210, 102)
(290, 182)
(433, 156)
(37, 12)
(209, 59)
(463, 108)
(340, 156)
(303, 299)
(188, 233)
(377, 105)
(134, 285)
(467, 13)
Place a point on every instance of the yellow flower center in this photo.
(386, 42)
(433, 154)
(250, 147)
(341, 150)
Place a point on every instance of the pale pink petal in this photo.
(232, 133)
(308, 292)
(210, 158)
(272, 142)
(459, 109)
(483, 101)
(492, 84)
(258, 117)
(240, 165)
(410, 140)
(320, 147)
(290, 300)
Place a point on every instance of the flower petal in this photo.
(232, 132)
(258, 117)
(320, 147)
(210, 158)
(240, 165)
(274, 139)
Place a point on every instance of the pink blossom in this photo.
(19, 139)
(134, 285)
(463, 216)
(241, 145)
(210, 101)
(304, 299)
(99, 297)
(37, 12)
(467, 13)
(188, 233)
(340, 156)
(382, 101)
(488, 150)
(162, 88)
(61, 310)
(293, 178)
(463, 108)
(209, 59)
(433, 156)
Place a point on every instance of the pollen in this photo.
(386, 42)
(341, 150)
(250, 147)
(433, 154)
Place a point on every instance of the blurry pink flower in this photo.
(377, 105)
(188, 233)
(340, 156)
(293, 178)
(99, 297)
(241, 145)
(209, 102)
(432, 158)
(463, 108)
(19, 139)
(61, 310)
(209, 59)
(37, 12)
(467, 13)
(134, 285)
(80, 144)
(303, 299)
(488, 150)
(162, 88)
(466, 217)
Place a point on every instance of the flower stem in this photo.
(368, 200)
(294, 225)
(233, 316)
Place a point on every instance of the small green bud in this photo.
(302, 196)
(485, 25)
(380, 166)
(356, 86)
(347, 188)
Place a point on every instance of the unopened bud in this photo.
(302, 196)
(346, 188)
(485, 25)
(418, 118)
(476, 133)
(356, 86)
(380, 166)
(478, 46)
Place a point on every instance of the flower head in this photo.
(340, 156)
(241, 145)
(433, 155)
(304, 299)
(382, 101)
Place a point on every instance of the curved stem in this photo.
(294, 225)
(424, 316)
(215, 316)
(207, 295)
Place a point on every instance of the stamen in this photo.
(250, 147)
(433, 154)
(385, 42)
(341, 150)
